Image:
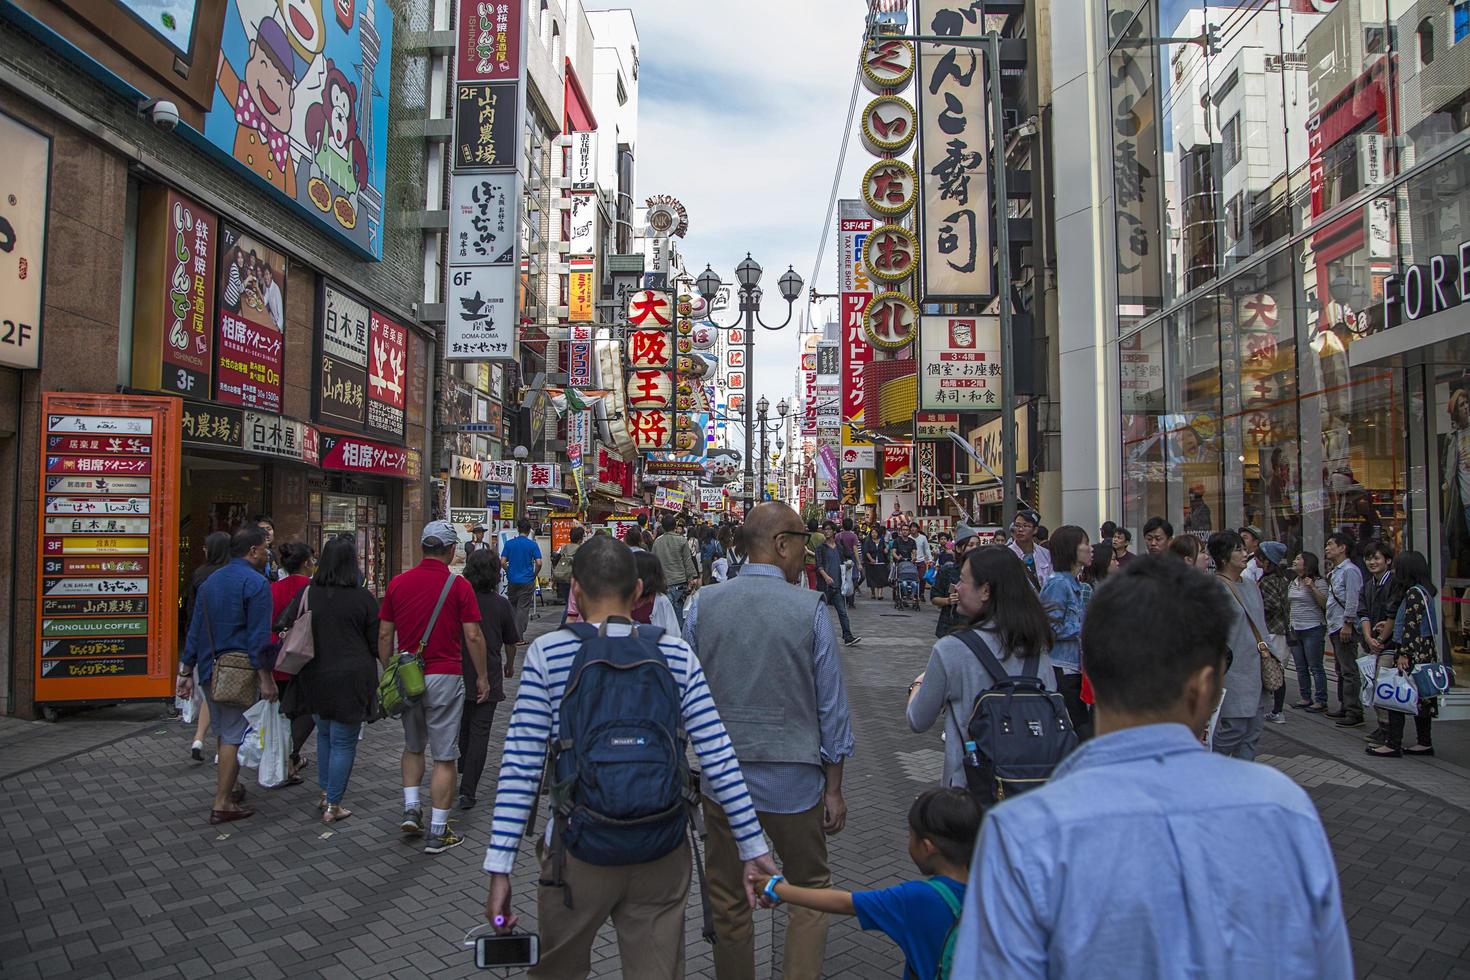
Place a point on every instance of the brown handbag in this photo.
(234, 681)
(1273, 675)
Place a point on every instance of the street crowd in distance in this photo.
(1099, 812)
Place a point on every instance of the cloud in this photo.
(742, 110)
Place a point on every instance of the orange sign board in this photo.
(85, 650)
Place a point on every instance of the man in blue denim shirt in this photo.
(1146, 855)
(232, 612)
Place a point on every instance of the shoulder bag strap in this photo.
(982, 653)
(946, 893)
(434, 616)
(1244, 611)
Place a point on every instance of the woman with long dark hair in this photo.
(1416, 640)
(875, 560)
(296, 568)
(338, 685)
(497, 620)
(1306, 598)
(1006, 615)
(216, 556)
(652, 605)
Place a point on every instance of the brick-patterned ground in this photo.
(107, 867)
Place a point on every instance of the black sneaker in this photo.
(852, 641)
(413, 821)
(466, 802)
(439, 843)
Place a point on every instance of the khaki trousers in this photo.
(645, 902)
(801, 851)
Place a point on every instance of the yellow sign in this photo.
(579, 289)
(850, 438)
(71, 545)
(507, 511)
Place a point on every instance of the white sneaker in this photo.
(1276, 718)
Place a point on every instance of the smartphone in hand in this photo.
(516, 949)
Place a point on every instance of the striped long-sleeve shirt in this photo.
(537, 714)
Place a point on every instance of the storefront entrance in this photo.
(359, 508)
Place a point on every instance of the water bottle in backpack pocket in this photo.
(1018, 731)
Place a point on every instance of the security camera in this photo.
(163, 113)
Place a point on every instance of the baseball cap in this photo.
(479, 527)
(963, 532)
(438, 533)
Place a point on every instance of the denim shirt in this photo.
(1062, 595)
(232, 612)
(1148, 856)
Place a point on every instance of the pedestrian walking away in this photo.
(1243, 710)
(681, 570)
(232, 616)
(1143, 855)
(338, 685)
(430, 611)
(998, 605)
(635, 871)
(498, 624)
(768, 649)
(521, 559)
(216, 556)
(297, 568)
(920, 916)
(1275, 585)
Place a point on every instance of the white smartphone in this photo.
(517, 949)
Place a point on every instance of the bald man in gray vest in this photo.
(770, 655)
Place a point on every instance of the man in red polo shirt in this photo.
(433, 723)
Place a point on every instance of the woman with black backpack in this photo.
(1006, 615)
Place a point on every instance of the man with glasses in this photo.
(1023, 542)
(770, 656)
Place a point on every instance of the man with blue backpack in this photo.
(608, 709)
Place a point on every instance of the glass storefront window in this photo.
(1136, 172)
(1193, 421)
(1141, 384)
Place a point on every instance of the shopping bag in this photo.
(187, 708)
(275, 748)
(1367, 672)
(250, 745)
(1432, 680)
(1394, 690)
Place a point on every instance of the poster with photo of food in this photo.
(252, 322)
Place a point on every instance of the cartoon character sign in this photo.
(301, 102)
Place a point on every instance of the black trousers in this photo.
(474, 743)
(1396, 720)
(1069, 686)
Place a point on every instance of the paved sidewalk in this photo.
(107, 867)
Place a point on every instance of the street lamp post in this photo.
(748, 274)
(761, 408)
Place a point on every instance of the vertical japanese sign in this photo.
(954, 201)
(387, 377)
(651, 367)
(481, 296)
(488, 45)
(106, 584)
(959, 364)
(342, 359)
(584, 161)
(25, 195)
(173, 306)
(928, 482)
(579, 359)
(252, 322)
(581, 286)
(853, 294)
(809, 393)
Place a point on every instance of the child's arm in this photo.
(833, 900)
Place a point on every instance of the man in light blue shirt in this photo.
(1146, 855)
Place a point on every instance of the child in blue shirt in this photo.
(918, 915)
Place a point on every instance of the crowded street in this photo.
(107, 872)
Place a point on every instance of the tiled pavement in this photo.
(107, 867)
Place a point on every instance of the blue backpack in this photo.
(621, 785)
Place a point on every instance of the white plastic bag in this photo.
(275, 747)
(188, 710)
(251, 745)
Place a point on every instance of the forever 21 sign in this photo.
(1423, 290)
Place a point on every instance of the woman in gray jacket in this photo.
(1003, 609)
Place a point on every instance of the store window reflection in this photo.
(1196, 503)
(1141, 383)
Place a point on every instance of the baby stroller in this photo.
(906, 586)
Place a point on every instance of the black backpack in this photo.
(1018, 731)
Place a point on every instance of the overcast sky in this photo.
(741, 116)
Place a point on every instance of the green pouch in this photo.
(402, 685)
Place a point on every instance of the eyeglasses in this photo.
(781, 534)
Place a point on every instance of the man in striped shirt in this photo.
(646, 901)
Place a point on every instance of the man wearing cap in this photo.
(1251, 535)
(432, 611)
(263, 101)
(1023, 542)
(477, 541)
(947, 580)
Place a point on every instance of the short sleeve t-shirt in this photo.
(410, 602)
(498, 621)
(904, 548)
(520, 554)
(913, 915)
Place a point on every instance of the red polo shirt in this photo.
(410, 602)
